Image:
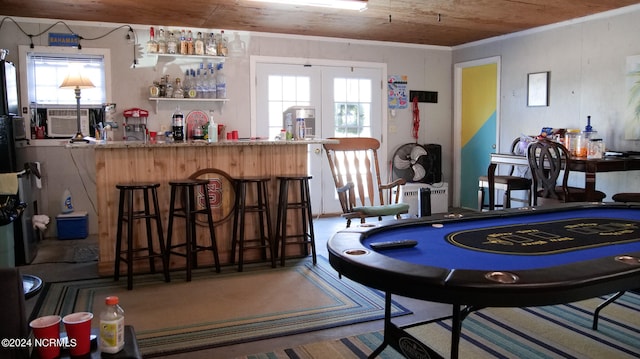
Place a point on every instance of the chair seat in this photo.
(626, 197)
(513, 182)
(576, 194)
(386, 210)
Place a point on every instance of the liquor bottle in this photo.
(199, 84)
(211, 82)
(190, 44)
(184, 47)
(111, 326)
(152, 45)
(169, 90)
(172, 44)
(178, 125)
(212, 47)
(192, 85)
(162, 42)
(186, 84)
(222, 44)
(205, 84)
(178, 91)
(221, 84)
(199, 45)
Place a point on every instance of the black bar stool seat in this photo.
(128, 213)
(306, 238)
(261, 209)
(187, 209)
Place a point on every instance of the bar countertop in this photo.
(241, 142)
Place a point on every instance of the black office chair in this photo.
(549, 162)
(507, 183)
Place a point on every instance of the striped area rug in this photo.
(218, 309)
(559, 331)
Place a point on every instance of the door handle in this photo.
(317, 151)
(493, 146)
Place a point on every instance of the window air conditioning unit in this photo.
(62, 122)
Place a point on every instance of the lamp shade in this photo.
(75, 79)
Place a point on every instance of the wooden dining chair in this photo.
(356, 174)
(506, 183)
(549, 162)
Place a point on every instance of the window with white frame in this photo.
(46, 68)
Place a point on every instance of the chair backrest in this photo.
(516, 149)
(547, 161)
(359, 154)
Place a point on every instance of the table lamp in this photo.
(75, 80)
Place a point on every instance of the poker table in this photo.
(512, 258)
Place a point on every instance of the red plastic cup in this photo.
(46, 330)
(229, 136)
(78, 326)
(235, 134)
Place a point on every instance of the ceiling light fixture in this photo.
(359, 5)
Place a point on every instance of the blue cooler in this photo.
(74, 225)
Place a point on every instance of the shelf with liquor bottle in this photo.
(203, 84)
(184, 45)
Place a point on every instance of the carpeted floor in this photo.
(559, 331)
(227, 308)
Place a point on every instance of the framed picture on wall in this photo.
(538, 89)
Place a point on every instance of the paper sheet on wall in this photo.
(397, 91)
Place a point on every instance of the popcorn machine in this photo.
(135, 125)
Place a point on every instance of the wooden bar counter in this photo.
(121, 162)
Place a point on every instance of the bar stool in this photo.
(129, 214)
(306, 238)
(188, 211)
(261, 209)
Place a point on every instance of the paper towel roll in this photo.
(38, 179)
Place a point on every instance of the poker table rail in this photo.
(564, 283)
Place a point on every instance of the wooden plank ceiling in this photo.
(430, 22)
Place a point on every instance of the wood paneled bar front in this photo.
(118, 162)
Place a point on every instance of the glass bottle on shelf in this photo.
(169, 88)
(222, 44)
(184, 47)
(211, 82)
(199, 45)
(162, 42)
(212, 47)
(190, 44)
(152, 45)
(192, 84)
(221, 84)
(172, 44)
(178, 91)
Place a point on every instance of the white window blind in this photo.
(45, 73)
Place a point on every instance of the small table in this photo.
(580, 164)
(130, 350)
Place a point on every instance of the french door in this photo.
(348, 102)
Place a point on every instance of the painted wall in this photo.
(587, 61)
(427, 68)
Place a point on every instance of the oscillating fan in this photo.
(411, 161)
